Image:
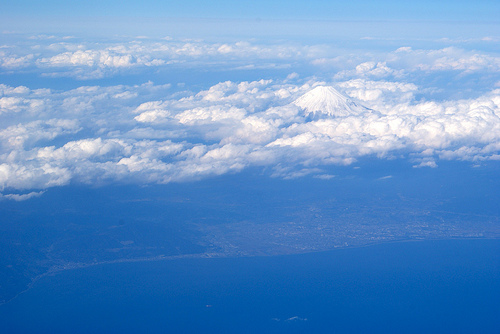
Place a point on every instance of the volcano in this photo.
(326, 101)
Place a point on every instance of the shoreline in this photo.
(71, 266)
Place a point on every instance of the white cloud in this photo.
(85, 149)
(66, 56)
(379, 95)
(56, 56)
(12, 62)
(28, 134)
(151, 112)
(32, 175)
(88, 58)
(324, 176)
(22, 197)
(211, 114)
(289, 173)
(446, 59)
(409, 63)
(370, 69)
(426, 162)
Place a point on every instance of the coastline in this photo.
(55, 270)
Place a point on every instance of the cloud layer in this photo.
(70, 57)
(111, 134)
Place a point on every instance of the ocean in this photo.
(438, 286)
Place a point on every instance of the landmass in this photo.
(304, 229)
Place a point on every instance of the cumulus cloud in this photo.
(23, 135)
(32, 175)
(406, 63)
(12, 62)
(232, 126)
(370, 69)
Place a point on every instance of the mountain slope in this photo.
(327, 101)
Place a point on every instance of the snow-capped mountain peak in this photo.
(327, 101)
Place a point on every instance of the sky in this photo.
(262, 18)
(120, 92)
(462, 10)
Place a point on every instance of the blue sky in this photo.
(261, 19)
(393, 10)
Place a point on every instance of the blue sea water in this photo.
(441, 286)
